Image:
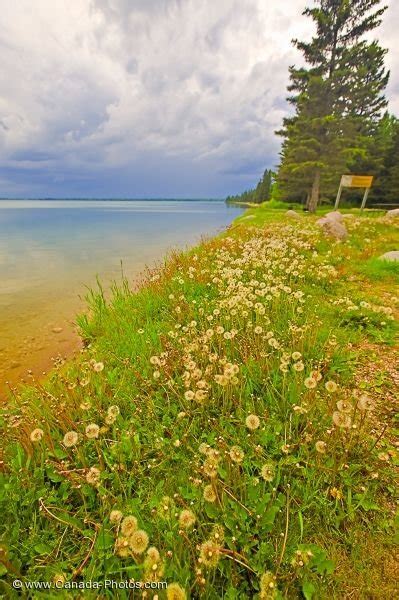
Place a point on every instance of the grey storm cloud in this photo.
(148, 97)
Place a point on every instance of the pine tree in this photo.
(390, 175)
(338, 98)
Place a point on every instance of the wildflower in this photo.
(344, 406)
(98, 367)
(211, 466)
(296, 355)
(258, 329)
(70, 439)
(139, 541)
(203, 448)
(236, 454)
(301, 558)
(154, 360)
(210, 553)
(316, 375)
(320, 446)
(267, 586)
(153, 554)
(189, 395)
(36, 435)
(285, 448)
(341, 419)
(217, 534)
(209, 494)
(252, 422)
(310, 383)
(336, 493)
(115, 516)
(113, 411)
(110, 420)
(93, 476)
(129, 526)
(331, 386)
(59, 579)
(85, 405)
(122, 547)
(186, 519)
(175, 592)
(267, 472)
(92, 431)
(200, 395)
(221, 380)
(384, 456)
(298, 366)
(365, 403)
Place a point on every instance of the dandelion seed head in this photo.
(209, 494)
(92, 431)
(268, 472)
(186, 519)
(70, 439)
(175, 592)
(36, 435)
(129, 525)
(236, 454)
(138, 541)
(252, 422)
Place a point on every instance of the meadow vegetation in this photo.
(227, 429)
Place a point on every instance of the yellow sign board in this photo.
(357, 181)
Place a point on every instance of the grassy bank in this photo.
(228, 429)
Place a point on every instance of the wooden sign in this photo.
(355, 181)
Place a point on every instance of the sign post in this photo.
(355, 181)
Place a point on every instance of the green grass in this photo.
(270, 320)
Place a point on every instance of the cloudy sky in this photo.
(148, 98)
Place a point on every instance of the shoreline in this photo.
(212, 409)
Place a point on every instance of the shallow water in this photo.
(52, 250)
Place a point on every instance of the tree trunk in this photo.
(315, 193)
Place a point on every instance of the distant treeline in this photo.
(261, 193)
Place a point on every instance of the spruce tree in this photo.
(338, 98)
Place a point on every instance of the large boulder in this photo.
(292, 214)
(335, 215)
(393, 256)
(333, 227)
(393, 213)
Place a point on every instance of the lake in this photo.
(52, 250)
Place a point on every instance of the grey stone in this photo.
(393, 213)
(292, 214)
(333, 228)
(335, 215)
(393, 255)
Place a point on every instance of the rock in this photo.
(335, 215)
(57, 329)
(392, 213)
(292, 214)
(333, 227)
(392, 256)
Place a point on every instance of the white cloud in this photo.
(153, 97)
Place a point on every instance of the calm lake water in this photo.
(52, 250)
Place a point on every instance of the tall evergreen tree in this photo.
(338, 98)
(390, 174)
